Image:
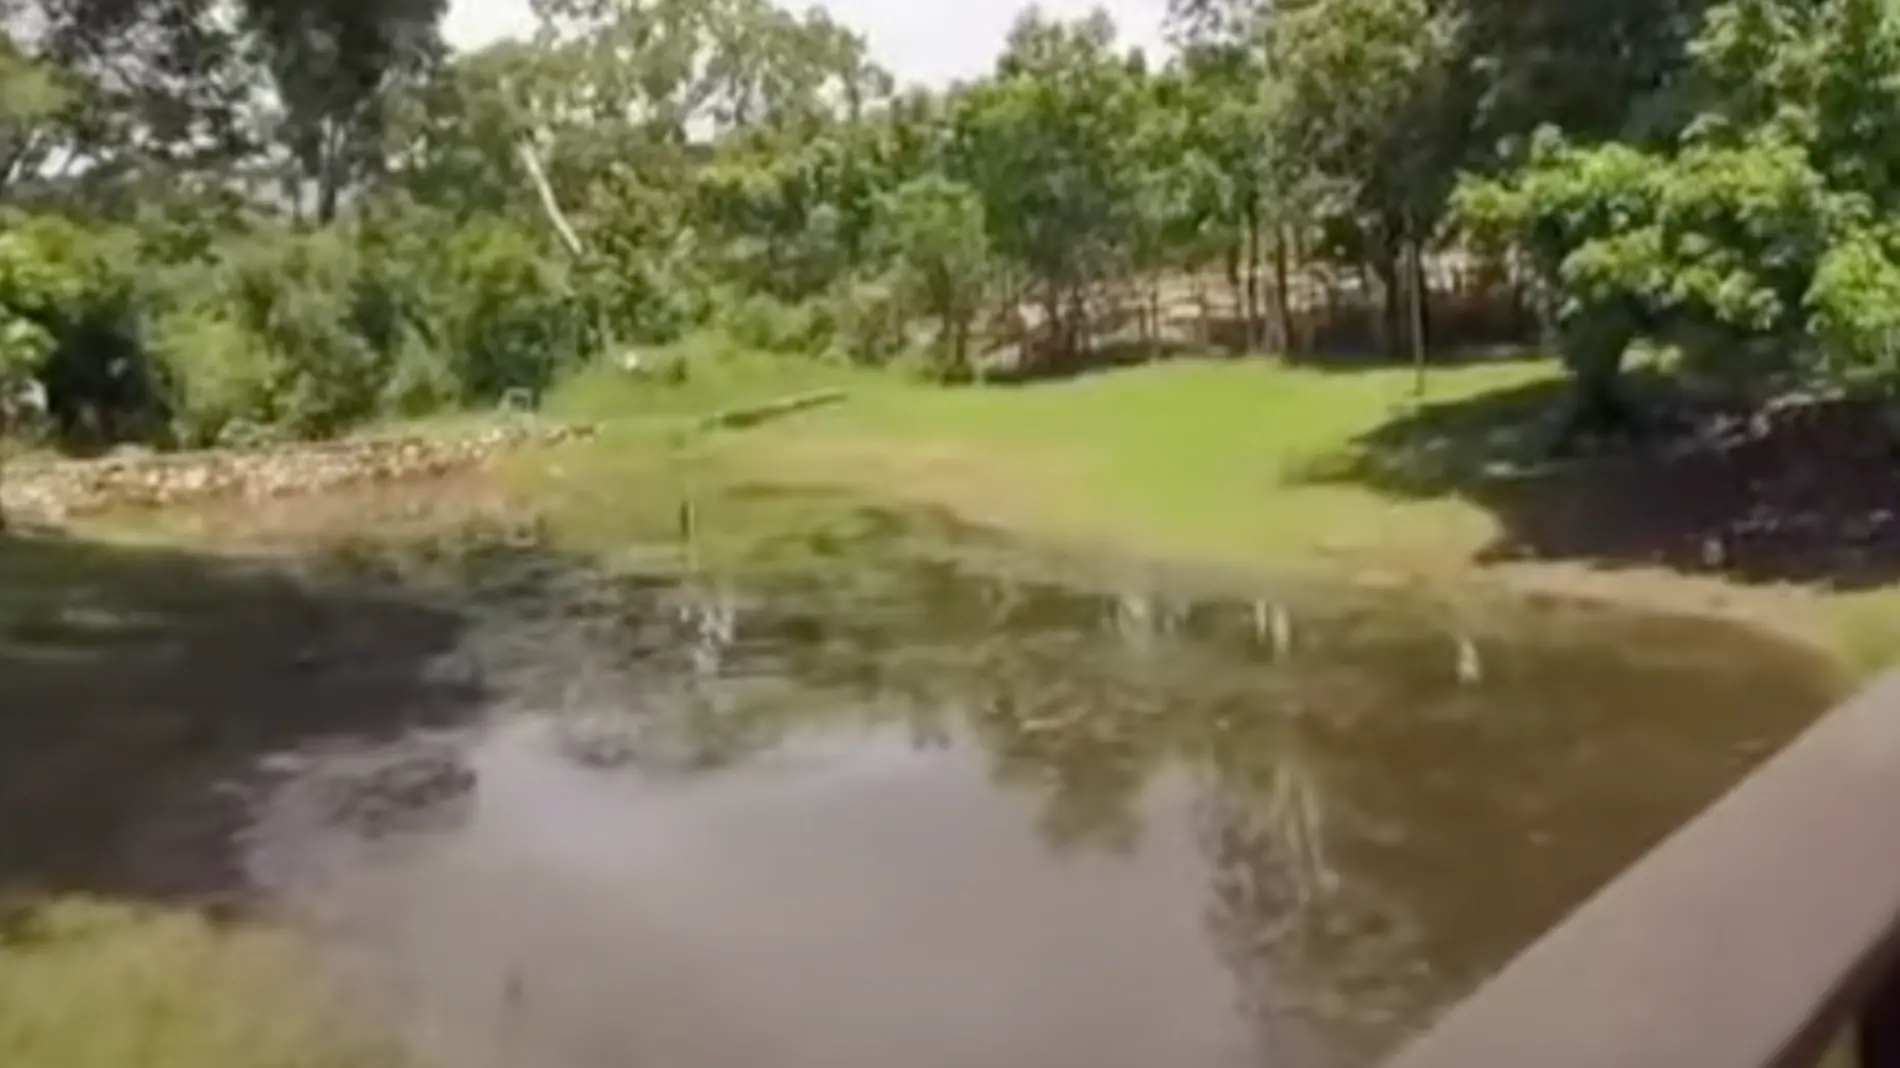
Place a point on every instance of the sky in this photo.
(929, 41)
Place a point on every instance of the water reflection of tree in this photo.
(1325, 964)
(1088, 702)
(1080, 700)
(1345, 778)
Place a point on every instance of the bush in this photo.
(68, 299)
(316, 332)
(868, 320)
(768, 324)
(327, 337)
(507, 313)
(219, 381)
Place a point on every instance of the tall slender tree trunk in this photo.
(1415, 319)
(1198, 287)
(1154, 309)
(1282, 287)
(1081, 330)
(330, 173)
(956, 331)
(1235, 283)
(1421, 314)
(328, 195)
(1254, 317)
(1060, 344)
(1392, 319)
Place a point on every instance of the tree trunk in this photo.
(1254, 317)
(1234, 283)
(327, 195)
(1154, 310)
(550, 205)
(330, 175)
(1594, 350)
(291, 184)
(1282, 288)
(1392, 319)
(1415, 320)
(1198, 288)
(1080, 344)
(956, 337)
(1057, 326)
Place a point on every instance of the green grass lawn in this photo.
(1201, 456)
(1238, 461)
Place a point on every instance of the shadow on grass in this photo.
(1008, 369)
(134, 680)
(1443, 358)
(1804, 494)
(1334, 351)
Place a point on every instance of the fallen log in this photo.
(754, 414)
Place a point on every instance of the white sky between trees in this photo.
(928, 41)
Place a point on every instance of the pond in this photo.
(922, 801)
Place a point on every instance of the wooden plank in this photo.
(1747, 940)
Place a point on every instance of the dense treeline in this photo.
(224, 219)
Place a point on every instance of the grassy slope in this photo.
(1200, 458)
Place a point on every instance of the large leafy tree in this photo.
(1048, 144)
(1758, 243)
(1365, 84)
(935, 230)
(337, 66)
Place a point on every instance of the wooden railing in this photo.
(1753, 938)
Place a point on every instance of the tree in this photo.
(1364, 82)
(336, 65)
(1047, 145)
(1758, 243)
(32, 100)
(934, 229)
(1597, 69)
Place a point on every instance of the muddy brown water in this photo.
(918, 810)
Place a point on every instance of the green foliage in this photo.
(869, 321)
(1855, 306)
(221, 387)
(1045, 145)
(307, 304)
(317, 215)
(29, 280)
(765, 323)
(507, 313)
(313, 333)
(1760, 227)
(937, 235)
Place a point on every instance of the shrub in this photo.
(767, 324)
(506, 312)
(219, 380)
(868, 321)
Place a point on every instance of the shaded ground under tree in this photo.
(1795, 493)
